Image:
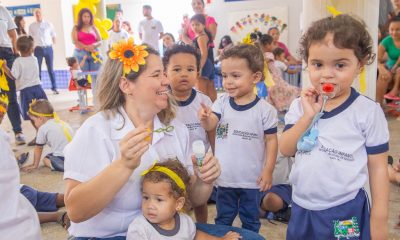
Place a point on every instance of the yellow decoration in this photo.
(3, 79)
(96, 57)
(129, 54)
(103, 26)
(3, 103)
(363, 81)
(84, 4)
(171, 174)
(89, 79)
(333, 11)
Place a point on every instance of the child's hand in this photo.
(133, 146)
(204, 112)
(311, 101)
(231, 236)
(209, 171)
(29, 168)
(265, 180)
(85, 57)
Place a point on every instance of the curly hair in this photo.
(348, 33)
(176, 191)
(252, 54)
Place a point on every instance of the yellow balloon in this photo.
(94, 1)
(107, 23)
(103, 33)
(81, 5)
(103, 26)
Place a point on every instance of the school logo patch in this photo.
(222, 131)
(346, 229)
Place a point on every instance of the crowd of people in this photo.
(130, 171)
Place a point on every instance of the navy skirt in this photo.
(27, 95)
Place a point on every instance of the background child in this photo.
(328, 178)
(80, 80)
(202, 44)
(168, 41)
(282, 64)
(164, 200)
(247, 127)
(51, 131)
(182, 66)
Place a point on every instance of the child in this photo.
(247, 127)
(51, 131)
(168, 41)
(80, 81)
(25, 70)
(182, 64)
(282, 93)
(201, 43)
(282, 64)
(164, 200)
(351, 137)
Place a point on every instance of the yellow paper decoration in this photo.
(363, 81)
(89, 78)
(333, 11)
(3, 79)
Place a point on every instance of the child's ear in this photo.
(257, 76)
(180, 202)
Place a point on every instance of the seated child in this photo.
(51, 131)
(164, 200)
(80, 80)
(282, 64)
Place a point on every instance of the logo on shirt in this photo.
(335, 154)
(222, 131)
(346, 229)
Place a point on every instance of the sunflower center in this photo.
(129, 53)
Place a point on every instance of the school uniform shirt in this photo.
(26, 72)
(114, 37)
(18, 218)
(6, 23)
(187, 114)
(142, 229)
(42, 33)
(94, 147)
(239, 143)
(335, 170)
(150, 30)
(52, 133)
(281, 66)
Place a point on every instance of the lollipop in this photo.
(328, 87)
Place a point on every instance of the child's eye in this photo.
(236, 75)
(145, 197)
(160, 200)
(176, 69)
(191, 69)
(340, 65)
(223, 75)
(317, 65)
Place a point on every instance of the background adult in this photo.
(20, 22)
(117, 33)
(127, 27)
(150, 29)
(275, 34)
(44, 37)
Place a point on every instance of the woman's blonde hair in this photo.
(110, 96)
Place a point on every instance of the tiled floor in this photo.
(46, 180)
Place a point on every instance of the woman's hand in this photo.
(231, 236)
(311, 101)
(209, 171)
(133, 146)
(385, 73)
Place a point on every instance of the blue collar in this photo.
(243, 107)
(353, 96)
(189, 100)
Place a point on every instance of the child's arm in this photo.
(290, 137)
(228, 236)
(271, 152)
(6, 70)
(36, 159)
(82, 63)
(379, 182)
(202, 41)
(207, 118)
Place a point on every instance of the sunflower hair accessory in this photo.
(129, 54)
(171, 174)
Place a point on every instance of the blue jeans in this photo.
(246, 202)
(221, 230)
(47, 54)
(13, 107)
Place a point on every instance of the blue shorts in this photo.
(350, 220)
(284, 191)
(57, 162)
(41, 201)
(27, 95)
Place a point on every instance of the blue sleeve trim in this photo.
(288, 126)
(271, 130)
(218, 115)
(40, 145)
(378, 149)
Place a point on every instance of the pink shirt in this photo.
(87, 38)
(285, 49)
(209, 21)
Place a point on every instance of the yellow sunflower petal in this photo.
(127, 69)
(135, 67)
(130, 41)
(113, 54)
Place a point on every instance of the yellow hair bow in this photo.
(171, 174)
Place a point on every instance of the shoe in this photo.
(391, 97)
(55, 91)
(19, 139)
(32, 143)
(21, 159)
(64, 220)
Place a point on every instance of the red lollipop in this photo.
(328, 87)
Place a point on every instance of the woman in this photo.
(389, 72)
(134, 127)
(275, 34)
(225, 43)
(86, 38)
(168, 41)
(20, 22)
(127, 27)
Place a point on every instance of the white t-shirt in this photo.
(42, 33)
(52, 134)
(26, 72)
(336, 169)
(150, 30)
(6, 23)
(93, 148)
(239, 142)
(142, 229)
(18, 218)
(281, 66)
(187, 114)
(114, 37)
